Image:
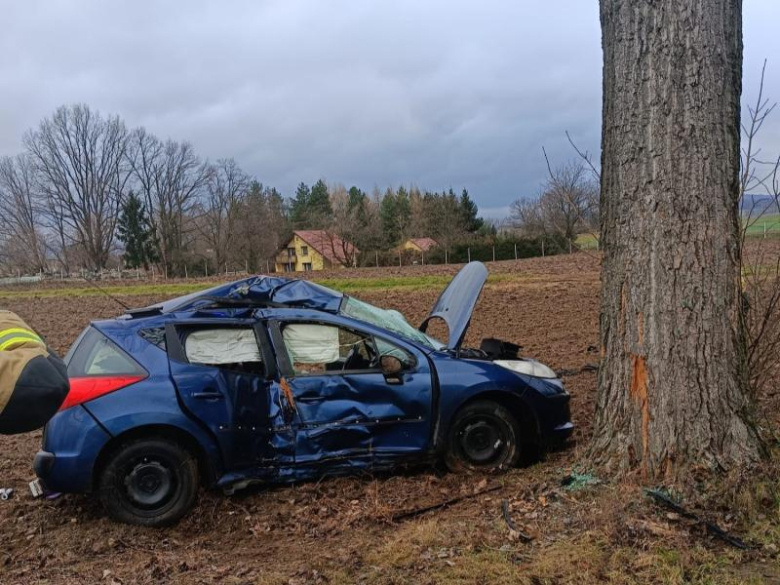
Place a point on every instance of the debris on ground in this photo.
(514, 531)
(576, 481)
(663, 499)
(441, 505)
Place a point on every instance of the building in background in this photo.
(420, 244)
(315, 250)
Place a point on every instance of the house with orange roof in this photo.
(315, 250)
(420, 244)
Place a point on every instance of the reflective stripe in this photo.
(17, 336)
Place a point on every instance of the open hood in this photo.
(457, 301)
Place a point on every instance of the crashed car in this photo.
(270, 380)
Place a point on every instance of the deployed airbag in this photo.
(222, 346)
(312, 344)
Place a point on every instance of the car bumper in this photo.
(71, 444)
(553, 416)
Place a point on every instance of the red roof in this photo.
(424, 244)
(328, 245)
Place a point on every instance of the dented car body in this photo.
(272, 380)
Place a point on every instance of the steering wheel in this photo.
(353, 357)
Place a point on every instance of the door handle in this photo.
(209, 395)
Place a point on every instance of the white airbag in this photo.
(312, 344)
(222, 346)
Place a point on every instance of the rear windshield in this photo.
(95, 355)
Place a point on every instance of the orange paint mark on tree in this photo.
(639, 393)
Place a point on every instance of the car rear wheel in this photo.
(485, 438)
(149, 482)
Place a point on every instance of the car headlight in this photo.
(527, 367)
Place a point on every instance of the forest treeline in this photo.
(87, 192)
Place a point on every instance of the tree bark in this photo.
(673, 379)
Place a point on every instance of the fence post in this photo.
(542, 247)
(186, 276)
(468, 250)
(515, 250)
(494, 253)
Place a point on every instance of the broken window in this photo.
(318, 348)
(387, 319)
(230, 347)
(315, 348)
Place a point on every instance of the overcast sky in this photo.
(437, 93)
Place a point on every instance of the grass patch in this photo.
(768, 224)
(587, 241)
(346, 285)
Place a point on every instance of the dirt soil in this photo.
(342, 530)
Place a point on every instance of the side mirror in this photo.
(391, 368)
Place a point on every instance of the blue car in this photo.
(270, 380)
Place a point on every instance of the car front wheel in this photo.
(484, 438)
(149, 482)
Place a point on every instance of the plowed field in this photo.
(341, 530)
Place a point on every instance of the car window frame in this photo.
(177, 351)
(286, 368)
(78, 356)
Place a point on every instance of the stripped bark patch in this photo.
(639, 394)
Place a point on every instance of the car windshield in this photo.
(387, 319)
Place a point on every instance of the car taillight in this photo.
(84, 389)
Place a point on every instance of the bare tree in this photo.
(673, 384)
(528, 217)
(21, 211)
(760, 266)
(567, 206)
(226, 190)
(263, 226)
(81, 162)
(171, 180)
(355, 224)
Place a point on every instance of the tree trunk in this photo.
(673, 382)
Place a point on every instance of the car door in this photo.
(223, 373)
(347, 411)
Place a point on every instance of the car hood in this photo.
(456, 303)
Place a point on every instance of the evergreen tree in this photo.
(134, 230)
(299, 206)
(387, 216)
(471, 223)
(356, 198)
(403, 212)
(319, 204)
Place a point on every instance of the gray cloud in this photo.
(437, 93)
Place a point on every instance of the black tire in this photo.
(149, 482)
(484, 438)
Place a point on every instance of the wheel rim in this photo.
(150, 484)
(483, 440)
